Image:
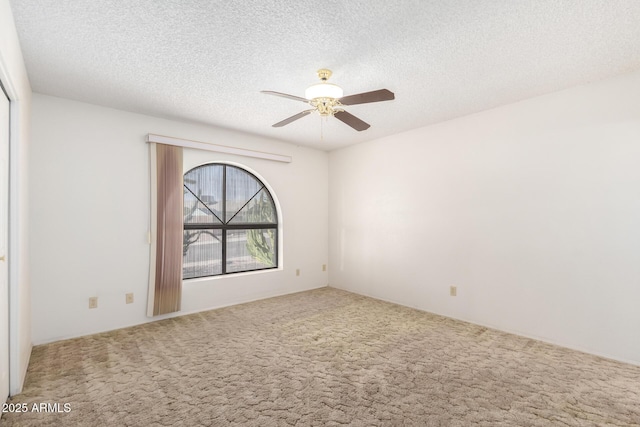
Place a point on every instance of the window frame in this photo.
(225, 227)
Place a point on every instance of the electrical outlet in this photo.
(129, 298)
(93, 302)
(297, 271)
(324, 267)
(453, 291)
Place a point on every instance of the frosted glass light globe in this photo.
(323, 90)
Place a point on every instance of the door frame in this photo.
(13, 247)
(4, 252)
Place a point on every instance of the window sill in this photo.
(232, 275)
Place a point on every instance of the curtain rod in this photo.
(160, 139)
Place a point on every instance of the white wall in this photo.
(14, 76)
(532, 210)
(90, 215)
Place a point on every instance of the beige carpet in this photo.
(322, 358)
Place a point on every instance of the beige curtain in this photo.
(166, 274)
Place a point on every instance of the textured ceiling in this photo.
(207, 61)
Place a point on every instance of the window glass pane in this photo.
(201, 253)
(217, 198)
(203, 195)
(199, 213)
(250, 249)
(260, 210)
(241, 187)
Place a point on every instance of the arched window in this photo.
(230, 222)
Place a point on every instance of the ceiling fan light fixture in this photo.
(323, 90)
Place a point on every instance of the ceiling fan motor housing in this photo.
(325, 106)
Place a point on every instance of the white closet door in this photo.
(4, 222)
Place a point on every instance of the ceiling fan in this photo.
(327, 99)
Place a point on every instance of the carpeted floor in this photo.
(322, 358)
